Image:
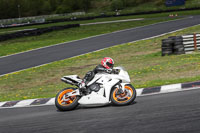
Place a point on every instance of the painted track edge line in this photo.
(90, 37)
(99, 49)
(139, 92)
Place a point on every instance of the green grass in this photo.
(84, 21)
(142, 59)
(180, 13)
(27, 43)
(104, 6)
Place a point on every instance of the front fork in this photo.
(121, 87)
(76, 92)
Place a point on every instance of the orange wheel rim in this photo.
(123, 97)
(67, 101)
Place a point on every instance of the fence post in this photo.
(195, 42)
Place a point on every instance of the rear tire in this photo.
(72, 102)
(125, 98)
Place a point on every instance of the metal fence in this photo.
(181, 44)
(36, 18)
(191, 42)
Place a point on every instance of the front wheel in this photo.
(66, 103)
(125, 98)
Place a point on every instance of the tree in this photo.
(46, 8)
(117, 5)
(84, 4)
(65, 7)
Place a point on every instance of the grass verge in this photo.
(27, 43)
(142, 59)
(83, 22)
(158, 15)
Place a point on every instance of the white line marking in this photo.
(2, 103)
(25, 106)
(95, 50)
(116, 21)
(139, 91)
(24, 103)
(51, 101)
(170, 88)
(178, 90)
(93, 37)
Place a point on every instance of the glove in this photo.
(82, 85)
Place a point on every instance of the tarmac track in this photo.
(38, 57)
(163, 113)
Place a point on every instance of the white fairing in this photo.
(106, 81)
(73, 77)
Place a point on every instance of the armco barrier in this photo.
(181, 44)
(191, 42)
(103, 16)
(35, 32)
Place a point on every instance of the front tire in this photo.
(66, 104)
(125, 98)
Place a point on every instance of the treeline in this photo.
(24, 8)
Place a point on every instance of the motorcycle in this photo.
(103, 89)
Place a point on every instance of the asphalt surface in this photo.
(46, 55)
(163, 113)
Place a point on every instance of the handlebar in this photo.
(115, 71)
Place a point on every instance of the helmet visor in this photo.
(110, 64)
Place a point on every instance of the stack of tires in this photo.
(173, 45)
(35, 32)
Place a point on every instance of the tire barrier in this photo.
(173, 45)
(35, 32)
(181, 44)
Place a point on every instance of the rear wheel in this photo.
(66, 103)
(125, 98)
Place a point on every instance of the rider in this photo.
(106, 65)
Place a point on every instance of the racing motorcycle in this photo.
(103, 89)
